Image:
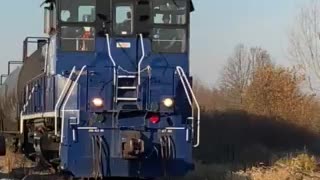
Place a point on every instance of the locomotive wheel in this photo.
(2, 146)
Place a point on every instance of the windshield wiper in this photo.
(175, 3)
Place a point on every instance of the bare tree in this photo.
(238, 72)
(259, 58)
(304, 45)
(237, 69)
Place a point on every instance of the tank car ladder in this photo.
(24, 108)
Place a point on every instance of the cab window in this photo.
(168, 40)
(169, 34)
(176, 10)
(77, 38)
(123, 19)
(80, 35)
(78, 11)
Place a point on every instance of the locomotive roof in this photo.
(191, 4)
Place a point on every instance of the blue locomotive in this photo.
(107, 93)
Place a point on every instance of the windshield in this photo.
(169, 40)
(169, 11)
(78, 11)
(123, 19)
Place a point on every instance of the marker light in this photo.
(168, 102)
(98, 102)
(154, 118)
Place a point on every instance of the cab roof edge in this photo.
(191, 6)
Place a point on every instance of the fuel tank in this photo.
(12, 95)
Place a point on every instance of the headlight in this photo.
(98, 102)
(168, 102)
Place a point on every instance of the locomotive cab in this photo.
(78, 23)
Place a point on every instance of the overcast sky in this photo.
(217, 27)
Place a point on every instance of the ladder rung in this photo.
(127, 87)
(126, 99)
(126, 76)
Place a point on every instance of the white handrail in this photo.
(141, 59)
(67, 99)
(185, 82)
(24, 108)
(184, 87)
(188, 96)
(111, 58)
(58, 103)
(46, 56)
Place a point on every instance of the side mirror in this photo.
(105, 21)
(191, 6)
(46, 2)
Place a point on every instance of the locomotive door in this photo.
(124, 43)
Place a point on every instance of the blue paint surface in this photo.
(77, 152)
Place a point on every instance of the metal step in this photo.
(127, 99)
(56, 161)
(127, 87)
(126, 76)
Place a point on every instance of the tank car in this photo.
(108, 93)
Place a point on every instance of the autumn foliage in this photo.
(251, 83)
(259, 113)
(276, 92)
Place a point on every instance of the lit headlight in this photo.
(98, 102)
(168, 102)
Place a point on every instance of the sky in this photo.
(217, 26)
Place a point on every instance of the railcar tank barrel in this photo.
(11, 91)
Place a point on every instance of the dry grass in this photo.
(294, 167)
(13, 161)
(213, 172)
(302, 167)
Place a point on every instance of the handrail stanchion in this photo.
(186, 86)
(67, 99)
(141, 59)
(111, 58)
(58, 103)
